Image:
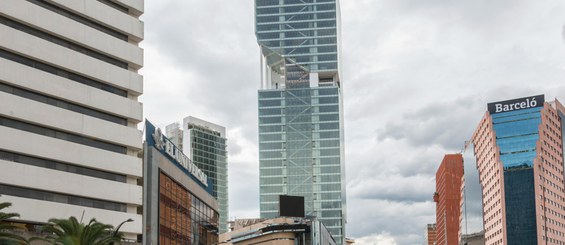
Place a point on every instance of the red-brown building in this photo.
(448, 199)
(431, 234)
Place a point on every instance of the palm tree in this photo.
(6, 228)
(72, 232)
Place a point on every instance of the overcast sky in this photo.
(417, 75)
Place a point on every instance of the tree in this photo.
(72, 232)
(6, 228)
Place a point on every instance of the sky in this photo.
(417, 75)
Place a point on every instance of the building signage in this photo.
(516, 104)
(155, 138)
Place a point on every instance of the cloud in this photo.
(219, 54)
(376, 239)
(404, 221)
(394, 188)
(563, 32)
(446, 123)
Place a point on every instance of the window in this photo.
(61, 198)
(61, 104)
(60, 166)
(62, 73)
(62, 42)
(61, 135)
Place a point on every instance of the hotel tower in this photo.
(69, 110)
(301, 149)
(519, 150)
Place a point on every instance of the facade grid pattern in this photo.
(183, 218)
(208, 151)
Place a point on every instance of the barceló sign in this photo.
(516, 104)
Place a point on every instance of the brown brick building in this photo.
(431, 234)
(448, 199)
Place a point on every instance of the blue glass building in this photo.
(300, 109)
(519, 150)
(517, 133)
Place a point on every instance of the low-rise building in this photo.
(473, 239)
(280, 231)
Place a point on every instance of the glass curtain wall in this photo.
(302, 30)
(300, 152)
(183, 218)
(517, 133)
(210, 155)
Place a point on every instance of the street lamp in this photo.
(120, 226)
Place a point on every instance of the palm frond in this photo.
(71, 232)
(6, 237)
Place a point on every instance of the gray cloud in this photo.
(416, 74)
(218, 52)
(404, 221)
(447, 123)
(563, 32)
(394, 188)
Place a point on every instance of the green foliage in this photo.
(72, 232)
(7, 237)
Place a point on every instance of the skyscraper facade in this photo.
(69, 109)
(449, 178)
(205, 143)
(301, 149)
(519, 151)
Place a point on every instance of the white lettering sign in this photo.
(163, 144)
(504, 107)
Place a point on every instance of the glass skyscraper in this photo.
(301, 149)
(206, 145)
(519, 151)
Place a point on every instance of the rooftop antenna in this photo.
(465, 146)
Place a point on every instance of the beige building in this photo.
(69, 110)
(473, 239)
(278, 231)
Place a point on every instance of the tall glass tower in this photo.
(301, 149)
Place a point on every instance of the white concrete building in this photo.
(69, 110)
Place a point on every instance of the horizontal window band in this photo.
(31, 128)
(60, 166)
(115, 6)
(61, 104)
(61, 42)
(61, 73)
(61, 198)
(56, 9)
